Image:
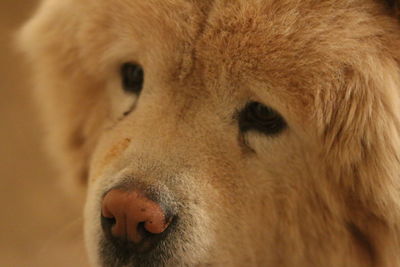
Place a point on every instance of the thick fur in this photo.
(326, 192)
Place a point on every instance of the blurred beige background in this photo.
(38, 226)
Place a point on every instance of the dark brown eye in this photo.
(257, 117)
(132, 78)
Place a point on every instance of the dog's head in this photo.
(226, 133)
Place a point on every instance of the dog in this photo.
(225, 133)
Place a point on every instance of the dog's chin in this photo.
(117, 253)
(112, 254)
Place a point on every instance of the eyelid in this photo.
(249, 122)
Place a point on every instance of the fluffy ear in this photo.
(50, 40)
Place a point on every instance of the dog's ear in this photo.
(394, 6)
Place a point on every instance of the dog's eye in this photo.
(132, 78)
(256, 116)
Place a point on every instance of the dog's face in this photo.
(226, 133)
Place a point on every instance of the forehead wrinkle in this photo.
(235, 45)
(156, 28)
(189, 54)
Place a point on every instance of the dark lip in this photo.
(115, 252)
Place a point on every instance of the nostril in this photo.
(107, 224)
(110, 221)
(142, 230)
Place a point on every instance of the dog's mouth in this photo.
(153, 249)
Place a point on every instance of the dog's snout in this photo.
(133, 216)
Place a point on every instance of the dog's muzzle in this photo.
(134, 223)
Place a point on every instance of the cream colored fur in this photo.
(324, 193)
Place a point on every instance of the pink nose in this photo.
(130, 209)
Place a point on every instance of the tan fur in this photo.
(324, 193)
